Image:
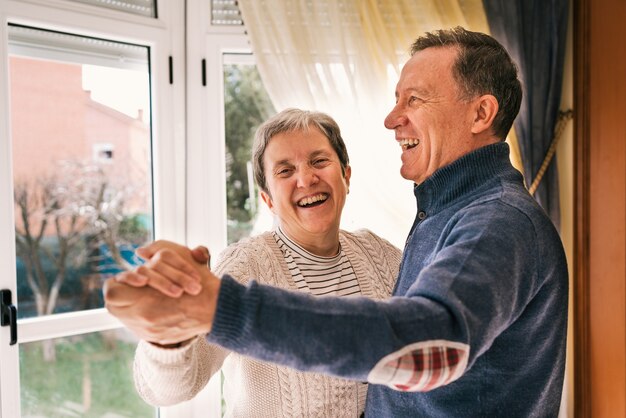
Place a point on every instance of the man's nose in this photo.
(395, 118)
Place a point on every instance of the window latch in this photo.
(8, 314)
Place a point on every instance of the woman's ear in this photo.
(486, 110)
(268, 200)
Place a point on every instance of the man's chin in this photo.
(411, 177)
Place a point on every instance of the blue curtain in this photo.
(534, 32)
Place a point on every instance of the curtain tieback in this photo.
(562, 119)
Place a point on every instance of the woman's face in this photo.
(307, 189)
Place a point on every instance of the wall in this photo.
(600, 209)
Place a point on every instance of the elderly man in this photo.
(477, 323)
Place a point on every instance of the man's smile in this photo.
(408, 143)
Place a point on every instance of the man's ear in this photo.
(347, 175)
(268, 200)
(486, 110)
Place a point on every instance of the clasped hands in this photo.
(168, 300)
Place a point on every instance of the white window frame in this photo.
(164, 36)
(206, 169)
(205, 123)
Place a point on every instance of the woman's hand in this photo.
(170, 272)
(155, 317)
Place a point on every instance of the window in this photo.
(246, 106)
(77, 218)
(102, 153)
(89, 377)
(139, 7)
(89, 170)
(216, 214)
(96, 176)
(225, 13)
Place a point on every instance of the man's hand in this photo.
(174, 274)
(156, 317)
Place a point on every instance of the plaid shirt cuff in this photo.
(422, 366)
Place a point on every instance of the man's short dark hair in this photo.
(482, 66)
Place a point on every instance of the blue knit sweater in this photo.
(476, 327)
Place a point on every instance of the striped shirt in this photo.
(319, 276)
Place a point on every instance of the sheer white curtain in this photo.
(343, 57)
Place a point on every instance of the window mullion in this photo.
(65, 324)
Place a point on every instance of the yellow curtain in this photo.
(343, 57)
(389, 27)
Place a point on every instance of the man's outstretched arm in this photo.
(356, 338)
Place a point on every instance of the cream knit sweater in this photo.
(253, 388)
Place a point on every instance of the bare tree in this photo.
(43, 214)
(60, 219)
(102, 204)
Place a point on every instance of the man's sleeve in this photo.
(452, 313)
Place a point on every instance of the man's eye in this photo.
(283, 172)
(320, 161)
(412, 100)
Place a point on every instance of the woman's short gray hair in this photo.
(295, 120)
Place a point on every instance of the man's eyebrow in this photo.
(420, 91)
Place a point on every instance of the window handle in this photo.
(203, 72)
(8, 314)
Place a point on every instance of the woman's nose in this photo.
(307, 177)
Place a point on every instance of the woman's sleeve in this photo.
(167, 376)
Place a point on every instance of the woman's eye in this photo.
(283, 172)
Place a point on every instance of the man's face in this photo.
(432, 123)
(307, 189)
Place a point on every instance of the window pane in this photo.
(225, 13)
(81, 166)
(246, 106)
(138, 7)
(84, 376)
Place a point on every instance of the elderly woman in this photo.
(301, 166)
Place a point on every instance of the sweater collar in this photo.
(463, 176)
